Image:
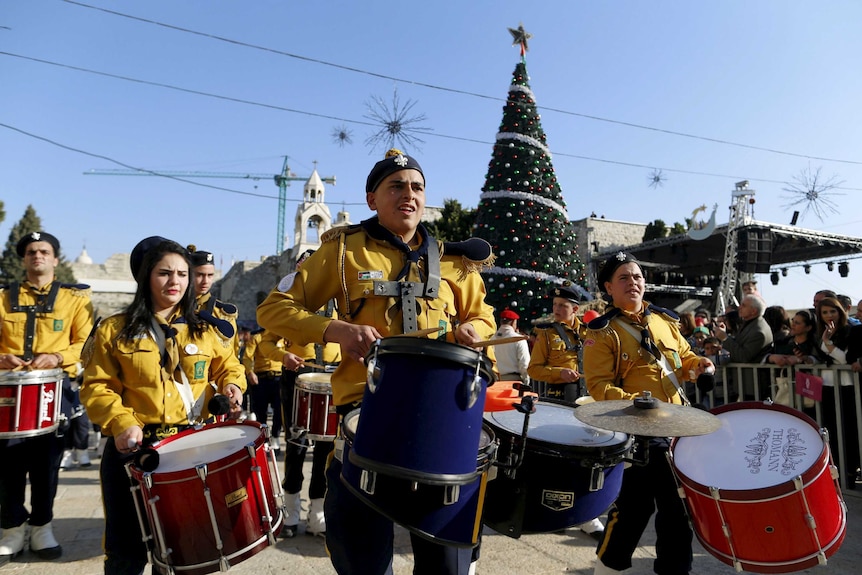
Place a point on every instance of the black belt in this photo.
(155, 432)
(269, 374)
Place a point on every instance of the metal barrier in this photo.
(759, 382)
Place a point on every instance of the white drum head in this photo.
(552, 423)
(755, 448)
(205, 446)
(315, 381)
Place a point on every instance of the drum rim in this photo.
(819, 465)
(32, 376)
(315, 377)
(179, 475)
(316, 387)
(454, 352)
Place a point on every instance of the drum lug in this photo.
(223, 564)
(821, 558)
(597, 478)
(148, 480)
(475, 387)
(798, 484)
(451, 493)
(414, 486)
(368, 481)
(202, 472)
(250, 449)
(372, 373)
(833, 471)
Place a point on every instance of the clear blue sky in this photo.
(780, 75)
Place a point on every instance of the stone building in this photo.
(112, 283)
(597, 235)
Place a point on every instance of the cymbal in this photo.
(662, 420)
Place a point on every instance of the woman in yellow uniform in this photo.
(149, 372)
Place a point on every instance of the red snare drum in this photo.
(313, 410)
(762, 491)
(214, 499)
(30, 402)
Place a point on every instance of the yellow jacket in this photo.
(63, 331)
(344, 267)
(550, 356)
(123, 384)
(615, 365)
(264, 352)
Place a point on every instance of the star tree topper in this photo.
(520, 36)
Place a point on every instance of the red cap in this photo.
(509, 314)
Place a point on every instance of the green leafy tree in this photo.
(455, 223)
(12, 267)
(522, 213)
(654, 230)
(678, 229)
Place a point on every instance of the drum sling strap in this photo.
(44, 304)
(646, 342)
(165, 337)
(570, 345)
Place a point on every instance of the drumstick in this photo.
(312, 364)
(499, 341)
(422, 332)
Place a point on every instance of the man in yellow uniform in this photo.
(555, 358)
(388, 277)
(636, 347)
(264, 356)
(215, 312)
(555, 354)
(45, 324)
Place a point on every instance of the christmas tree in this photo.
(522, 213)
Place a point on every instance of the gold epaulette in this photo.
(336, 231)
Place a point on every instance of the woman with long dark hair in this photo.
(149, 373)
(800, 345)
(834, 339)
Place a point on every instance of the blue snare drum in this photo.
(422, 410)
(569, 473)
(445, 514)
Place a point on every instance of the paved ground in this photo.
(79, 524)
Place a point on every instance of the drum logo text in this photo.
(47, 399)
(236, 497)
(558, 500)
(781, 452)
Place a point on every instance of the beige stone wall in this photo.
(607, 235)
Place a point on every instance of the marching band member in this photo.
(210, 309)
(446, 291)
(148, 374)
(45, 324)
(636, 347)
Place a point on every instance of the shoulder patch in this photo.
(602, 321)
(286, 282)
(543, 325)
(228, 308)
(476, 253)
(79, 290)
(664, 311)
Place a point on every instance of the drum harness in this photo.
(44, 304)
(170, 359)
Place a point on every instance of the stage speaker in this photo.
(754, 250)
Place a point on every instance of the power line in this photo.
(459, 91)
(365, 123)
(151, 172)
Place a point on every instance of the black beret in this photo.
(611, 265)
(202, 258)
(395, 161)
(37, 237)
(140, 250)
(564, 292)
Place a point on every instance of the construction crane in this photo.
(281, 180)
(740, 215)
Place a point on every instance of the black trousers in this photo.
(646, 490)
(39, 457)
